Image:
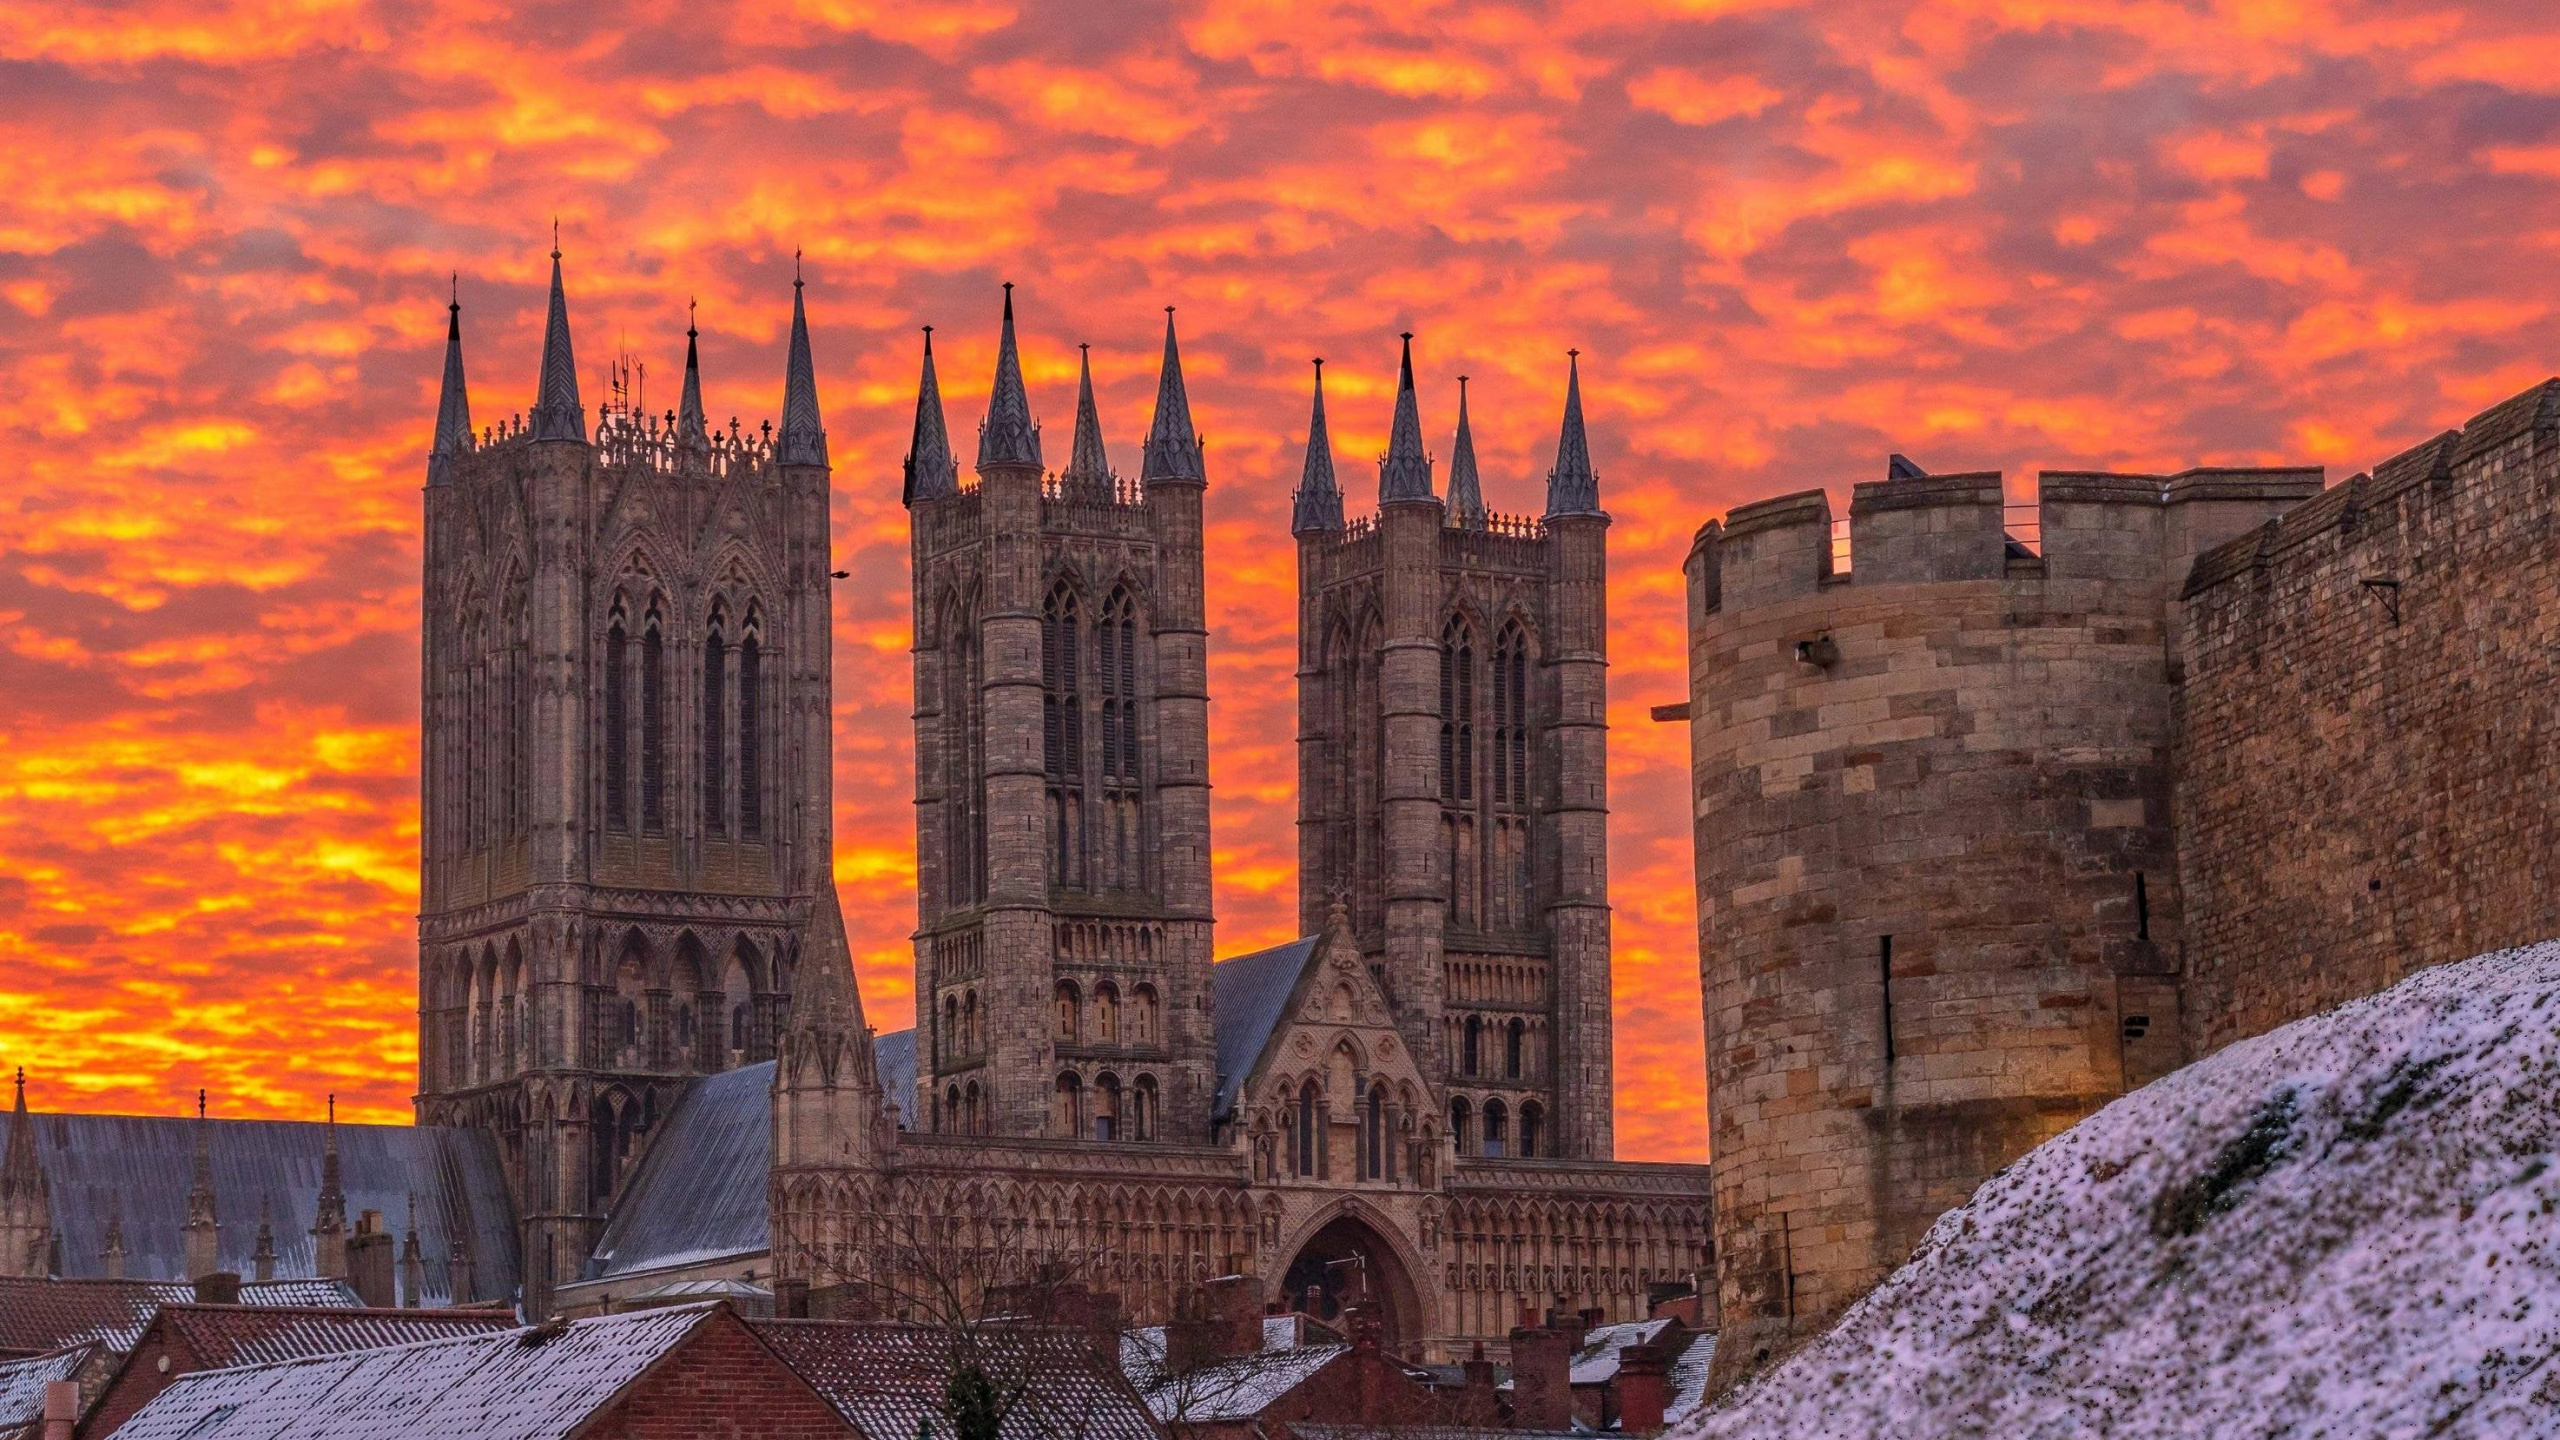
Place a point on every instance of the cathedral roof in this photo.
(700, 1192)
(138, 1167)
(1251, 993)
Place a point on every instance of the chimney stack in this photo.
(61, 1408)
(369, 1262)
(1542, 1378)
(222, 1287)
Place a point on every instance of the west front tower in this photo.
(1062, 776)
(1453, 771)
(625, 810)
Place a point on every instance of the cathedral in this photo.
(644, 1070)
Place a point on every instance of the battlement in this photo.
(2135, 530)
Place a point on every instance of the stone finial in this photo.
(1087, 460)
(804, 437)
(1173, 448)
(111, 1248)
(203, 1228)
(932, 472)
(1573, 487)
(1009, 439)
(263, 1262)
(413, 1262)
(692, 431)
(453, 403)
(1466, 493)
(557, 412)
(1404, 472)
(1318, 503)
(329, 1222)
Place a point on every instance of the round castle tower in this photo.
(1937, 893)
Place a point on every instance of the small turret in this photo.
(329, 1224)
(1466, 493)
(804, 437)
(457, 1269)
(263, 1262)
(1009, 438)
(453, 404)
(1319, 499)
(26, 1201)
(1173, 448)
(204, 1230)
(413, 1262)
(1404, 472)
(932, 472)
(1087, 461)
(1573, 488)
(557, 412)
(693, 432)
(111, 1247)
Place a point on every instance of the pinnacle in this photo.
(557, 413)
(1404, 472)
(1319, 498)
(804, 436)
(932, 473)
(1573, 487)
(1009, 438)
(1087, 461)
(1466, 493)
(691, 429)
(1173, 447)
(453, 403)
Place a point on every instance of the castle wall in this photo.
(2360, 795)
(1937, 892)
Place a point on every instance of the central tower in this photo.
(1062, 774)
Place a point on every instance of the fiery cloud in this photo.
(1786, 236)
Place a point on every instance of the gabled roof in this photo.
(22, 1385)
(1596, 1363)
(505, 1385)
(1239, 1387)
(38, 1314)
(1251, 993)
(97, 1165)
(887, 1378)
(219, 1336)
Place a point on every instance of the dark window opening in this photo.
(1884, 977)
(2141, 907)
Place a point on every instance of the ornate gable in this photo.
(1337, 1030)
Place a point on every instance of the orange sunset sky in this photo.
(1786, 237)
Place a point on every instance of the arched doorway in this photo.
(1347, 1261)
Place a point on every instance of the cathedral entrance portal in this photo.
(1347, 1262)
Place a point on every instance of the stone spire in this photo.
(1466, 495)
(1173, 449)
(804, 439)
(1404, 472)
(204, 1231)
(932, 473)
(1008, 438)
(828, 1111)
(453, 405)
(692, 430)
(263, 1263)
(26, 1202)
(557, 413)
(111, 1249)
(1319, 498)
(1087, 461)
(1573, 488)
(329, 1224)
(413, 1262)
(457, 1266)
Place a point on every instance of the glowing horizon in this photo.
(1787, 238)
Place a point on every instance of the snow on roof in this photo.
(1596, 1363)
(1686, 1387)
(22, 1385)
(888, 1378)
(2341, 1227)
(216, 1336)
(1237, 1388)
(38, 1314)
(507, 1385)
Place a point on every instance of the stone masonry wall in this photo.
(2359, 795)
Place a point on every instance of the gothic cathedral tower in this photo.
(1453, 772)
(1062, 775)
(626, 822)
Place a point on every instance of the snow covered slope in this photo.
(2346, 1227)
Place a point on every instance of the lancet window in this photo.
(1062, 735)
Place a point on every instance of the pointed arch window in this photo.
(617, 723)
(1062, 735)
(962, 739)
(1120, 839)
(751, 727)
(1497, 1129)
(653, 723)
(1532, 1125)
(1457, 711)
(715, 714)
